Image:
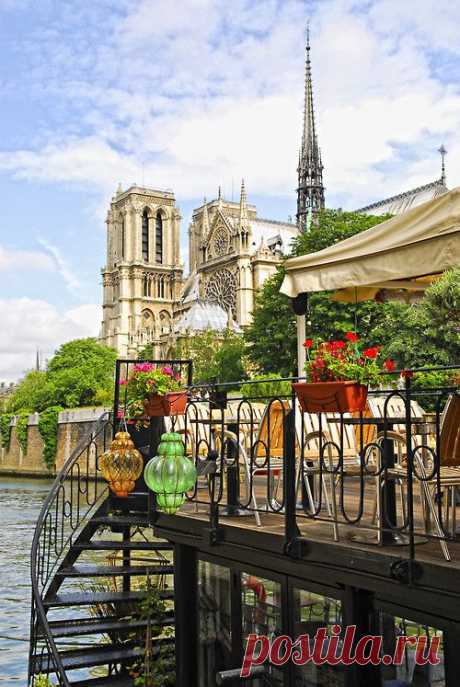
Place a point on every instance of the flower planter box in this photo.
(331, 397)
(173, 403)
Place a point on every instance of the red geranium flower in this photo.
(338, 344)
(371, 352)
(351, 336)
(389, 365)
(308, 343)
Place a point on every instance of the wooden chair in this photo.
(449, 469)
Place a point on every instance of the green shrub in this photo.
(266, 388)
(5, 430)
(22, 422)
(48, 428)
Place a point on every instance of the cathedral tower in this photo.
(310, 191)
(142, 279)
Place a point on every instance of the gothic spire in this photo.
(310, 192)
(443, 153)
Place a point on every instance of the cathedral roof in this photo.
(204, 315)
(274, 234)
(396, 205)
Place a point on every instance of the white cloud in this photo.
(31, 324)
(12, 259)
(214, 92)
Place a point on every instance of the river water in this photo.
(20, 503)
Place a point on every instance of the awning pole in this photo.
(301, 352)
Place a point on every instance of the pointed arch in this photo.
(123, 238)
(145, 235)
(159, 237)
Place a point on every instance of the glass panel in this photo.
(261, 615)
(311, 612)
(214, 639)
(411, 672)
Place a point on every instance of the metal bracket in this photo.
(406, 571)
(213, 535)
(295, 548)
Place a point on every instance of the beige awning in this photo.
(423, 241)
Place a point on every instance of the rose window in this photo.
(221, 289)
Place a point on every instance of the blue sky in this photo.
(190, 94)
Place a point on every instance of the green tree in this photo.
(216, 356)
(271, 336)
(28, 393)
(79, 373)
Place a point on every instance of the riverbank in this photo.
(73, 425)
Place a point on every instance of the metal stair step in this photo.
(88, 598)
(106, 624)
(83, 570)
(109, 681)
(122, 520)
(103, 545)
(101, 655)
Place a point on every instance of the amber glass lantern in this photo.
(121, 465)
(170, 474)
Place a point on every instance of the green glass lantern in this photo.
(170, 474)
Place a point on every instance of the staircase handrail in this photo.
(55, 540)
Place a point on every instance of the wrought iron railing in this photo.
(74, 496)
(386, 475)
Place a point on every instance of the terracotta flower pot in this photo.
(173, 403)
(331, 397)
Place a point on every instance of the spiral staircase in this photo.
(91, 551)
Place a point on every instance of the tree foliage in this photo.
(48, 428)
(78, 374)
(216, 356)
(271, 336)
(22, 429)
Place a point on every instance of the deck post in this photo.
(186, 615)
(291, 531)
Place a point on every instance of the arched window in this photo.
(123, 238)
(145, 235)
(159, 238)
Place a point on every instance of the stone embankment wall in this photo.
(74, 425)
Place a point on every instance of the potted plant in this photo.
(339, 374)
(154, 392)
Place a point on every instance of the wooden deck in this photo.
(359, 537)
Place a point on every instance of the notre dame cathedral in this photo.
(232, 251)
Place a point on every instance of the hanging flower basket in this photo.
(331, 397)
(339, 374)
(173, 403)
(154, 391)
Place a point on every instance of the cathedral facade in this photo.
(146, 300)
